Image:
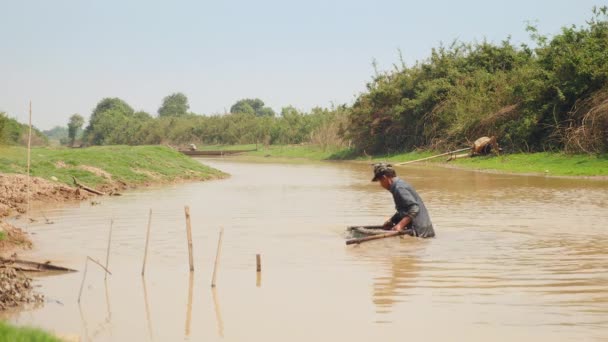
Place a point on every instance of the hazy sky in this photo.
(66, 55)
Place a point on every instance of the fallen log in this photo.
(32, 266)
(86, 188)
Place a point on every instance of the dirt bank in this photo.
(16, 289)
(14, 194)
(12, 239)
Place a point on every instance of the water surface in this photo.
(516, 257)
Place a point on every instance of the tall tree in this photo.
(75, 124)
(3, 121)
(108, 115)
(251, 106)
(174, 105)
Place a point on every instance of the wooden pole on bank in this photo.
(435, 156)
(189, 234)
(108, 252)
(29, 153)
(143, 268)
(217, 257)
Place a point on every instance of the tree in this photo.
(174, 105)
(75, 124)
(251, 106)
(3, 122)
(108, 115)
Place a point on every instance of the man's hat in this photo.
(380, 170)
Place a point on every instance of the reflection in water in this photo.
(148, 320)
(218, 313)
(258, 279)
(189, 305)
(84, 324)
(109, 310)
(389, 288)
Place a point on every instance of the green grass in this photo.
(24, 334)
(553, 164)
(227, 147)
(310, 152)
(2, 235)
(129, 164)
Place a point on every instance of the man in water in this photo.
(411, 216)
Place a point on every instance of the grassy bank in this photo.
(24, 334)
(553, 164)
(105, 164)
(310, 152)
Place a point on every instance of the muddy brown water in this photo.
(516, 257)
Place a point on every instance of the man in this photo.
(411, 216)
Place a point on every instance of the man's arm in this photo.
(402, 224)
(408, 210)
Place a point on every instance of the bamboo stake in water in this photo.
(189, 234)
(258, 269)
(148, 319)
(217, 257)
(189, 307)
(143, 268)
(218, 313)
(258, 261)
(108, 252)
(86, 262)
(84, 275)
(29, 149)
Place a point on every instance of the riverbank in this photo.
(107, 169)
(542, 163)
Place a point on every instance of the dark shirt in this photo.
(409, 203)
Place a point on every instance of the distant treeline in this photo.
(113, 121)
(14, 133)
(553, 96)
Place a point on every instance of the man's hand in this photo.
(402, 224)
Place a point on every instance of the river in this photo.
(515, 258)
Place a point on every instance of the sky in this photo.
(67, 55)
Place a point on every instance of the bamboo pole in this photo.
(218, 313)
(148, 319)
(108, 252)
(375, 237)
(143, 268)
(435, 156)
(189, 235)
(217, 258)
(29, 153)
(100, 265)
(189, 306)
(84, 276)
